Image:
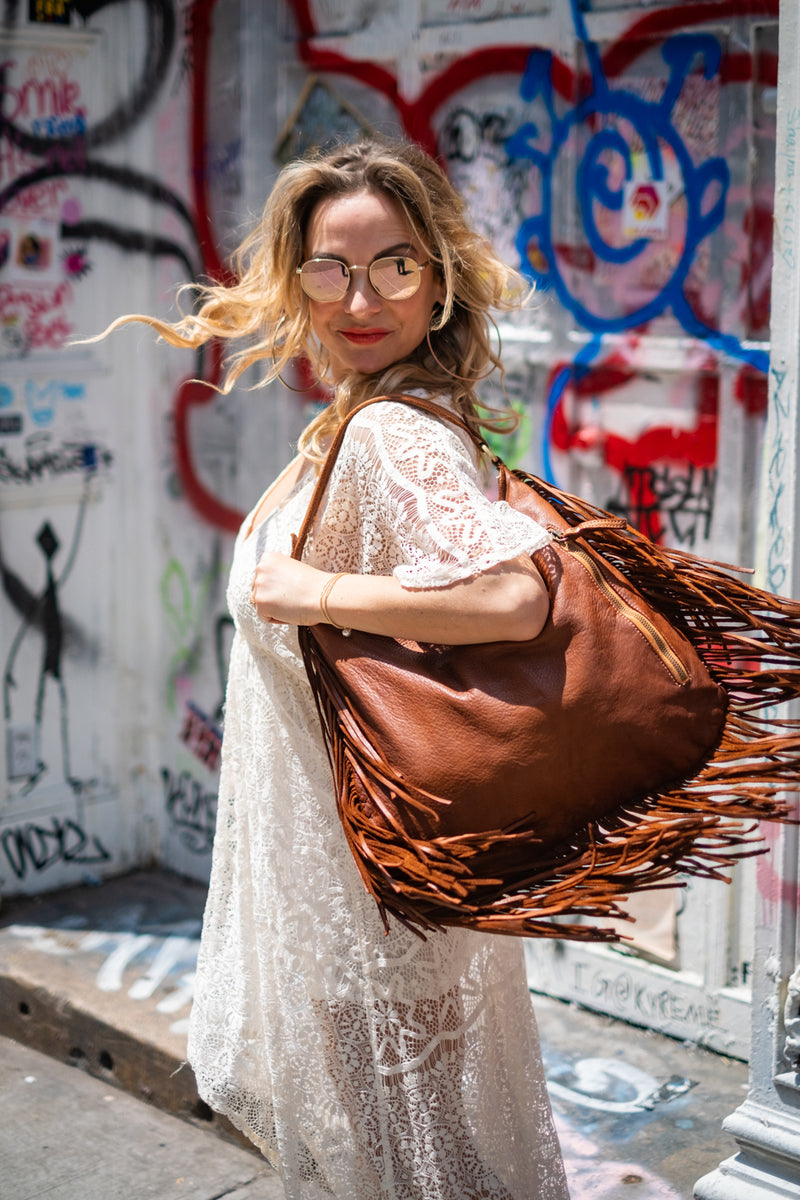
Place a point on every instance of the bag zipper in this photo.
(645, 626)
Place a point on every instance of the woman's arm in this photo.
(509, 602)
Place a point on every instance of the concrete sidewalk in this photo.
(67, 1136)
(100, 978)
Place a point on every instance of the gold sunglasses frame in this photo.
(368, 268)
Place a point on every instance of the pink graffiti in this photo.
(14, 162)
(591, 1177)
(76, 263)
(37, 313)
(201, 736)
(773, 889)
(51, 96)
(39, 200)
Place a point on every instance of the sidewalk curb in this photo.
(103, 978)
(43, 1020)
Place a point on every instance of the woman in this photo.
(365, 1065)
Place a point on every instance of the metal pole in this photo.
(767, 1125)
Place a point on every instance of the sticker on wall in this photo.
(202, 736)
(29, 251)
(645, 209)
(49, 12)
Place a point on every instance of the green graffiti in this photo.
(513, 448)
(185, 613)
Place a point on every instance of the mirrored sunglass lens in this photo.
(395, 278)
(325, 279)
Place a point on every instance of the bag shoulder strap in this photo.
(436, 410)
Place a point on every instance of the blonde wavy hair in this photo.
(267, 310)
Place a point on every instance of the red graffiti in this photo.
(752, 391)
(192, 393)
(50, 96)
(39, 200)
(696, 447)
(201, 736)
(416, 117)
(14, 162)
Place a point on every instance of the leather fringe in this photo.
(749, 641)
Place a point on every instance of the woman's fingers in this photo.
(285, 591)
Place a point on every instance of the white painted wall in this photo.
(664, 419)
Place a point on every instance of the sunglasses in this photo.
(393, 278)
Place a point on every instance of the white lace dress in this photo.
(365, 1066)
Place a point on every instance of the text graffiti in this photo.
(41, 461)
(685, 499)
(37, 847)
(191, 810)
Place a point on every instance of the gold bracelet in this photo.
(327, 588)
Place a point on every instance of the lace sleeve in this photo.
(424, 493)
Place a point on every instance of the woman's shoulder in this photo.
(411, 409)
(397, 433)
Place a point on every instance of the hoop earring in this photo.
(499, 336)
(299, 391)
(447, 371)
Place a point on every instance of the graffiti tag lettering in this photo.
(686, 499)
(37, 847)
(35, 464)
(191, 810)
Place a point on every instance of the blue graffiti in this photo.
(42, 400)
(6, 395)
(648, 126)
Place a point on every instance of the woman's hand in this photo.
(287, 592)
(507, 603)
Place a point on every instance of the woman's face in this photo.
(363, 331)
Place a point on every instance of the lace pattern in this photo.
(363, 1065)
(406, 496)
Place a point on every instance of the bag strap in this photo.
(436, 410)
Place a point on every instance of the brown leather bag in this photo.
(502, 784)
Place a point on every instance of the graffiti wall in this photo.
(119, 182)
(620, 153)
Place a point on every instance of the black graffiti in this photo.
(76, 642)
(70, 155)
(125, 177)
(62, 163)
(223, 632)
(160, 33)
(186, 63)
(665, 503)
(191, 809)
(37, 847)
(467, 136)
(42, 614)
(131, 241)
(69, 458)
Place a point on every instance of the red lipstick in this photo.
(364, 337)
